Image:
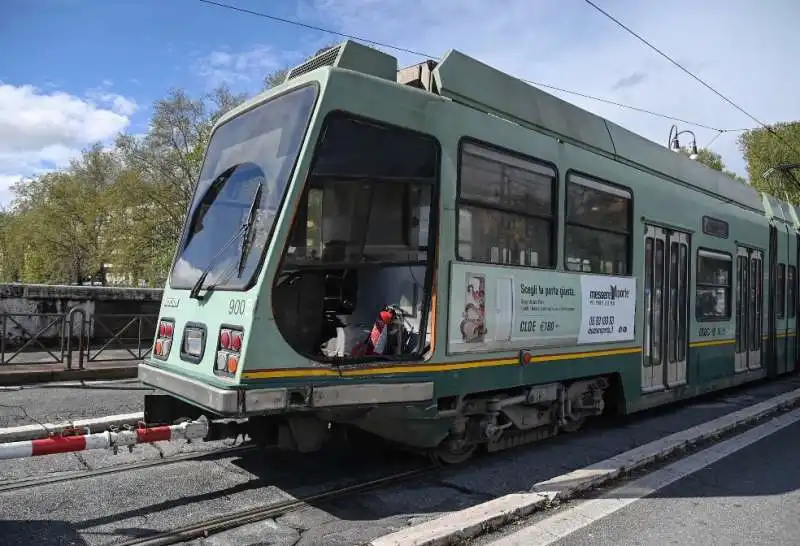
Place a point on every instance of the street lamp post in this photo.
(675, 145)
(785, 168)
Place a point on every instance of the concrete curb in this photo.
(43, 430)
(467, 523)
(27, 377)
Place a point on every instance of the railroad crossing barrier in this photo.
(190, 430)
(87, 426)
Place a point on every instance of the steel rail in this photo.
(25, 483)
(215, 525)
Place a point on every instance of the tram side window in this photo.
(713, 297)
(598, 227)
(791, 290)
(781, 295)
(505, 208)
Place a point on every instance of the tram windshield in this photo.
(242, 183)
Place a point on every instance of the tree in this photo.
(712, 160)
(151, 195)
(10, 256)
(59, 221)
(122, 206)
(277, 77)
(762, 151)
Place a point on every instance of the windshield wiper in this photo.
(248, 230)
(244, 229)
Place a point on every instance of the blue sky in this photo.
(138, 49)
(78, 71)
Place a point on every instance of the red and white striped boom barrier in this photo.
(86, 426)
(191, 430)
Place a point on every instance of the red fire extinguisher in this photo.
(377, 343)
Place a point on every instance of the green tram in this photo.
(449, 258)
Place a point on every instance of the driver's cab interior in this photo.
(355, 278)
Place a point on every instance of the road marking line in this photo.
(563, 524)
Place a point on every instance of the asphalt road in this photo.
(57, 402)
(751, 495)
(113, 508)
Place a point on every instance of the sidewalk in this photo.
(541, 479)
(39, 367)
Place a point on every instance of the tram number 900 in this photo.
(236, 307)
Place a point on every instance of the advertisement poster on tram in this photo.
(496, 308)
(608, 309)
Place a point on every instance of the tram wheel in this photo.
(573, 426)
(453, 451)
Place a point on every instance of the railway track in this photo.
(226, 522)
(25, 483)
(214, 525)
(237, 519)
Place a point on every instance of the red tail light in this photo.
(165, 329)
(225, 339)
(163, 343)
(236, 342)
(228, 350)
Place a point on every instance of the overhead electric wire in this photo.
(680, 66)
(434, 57)
(628, 106)
(710, 142)
(311, 27)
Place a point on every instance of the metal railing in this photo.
(128, 332)
(75, 338)
(17, 335)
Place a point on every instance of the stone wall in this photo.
(27, 309)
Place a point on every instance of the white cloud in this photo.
(42, 131)
(117, 103)
(242, 68)
(743, 51)
(247, 68)
(101, 96)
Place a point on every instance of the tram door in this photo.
(666, 309)
(796, 355)
(785, 300)
(749, 308)
(772, 298)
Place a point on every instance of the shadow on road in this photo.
(41, 533)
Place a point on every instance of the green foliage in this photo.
(152, 194)
(762, 151)
(59, 224)
(116, 215)
(122, 207)
(712, 160)
(10, 251)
